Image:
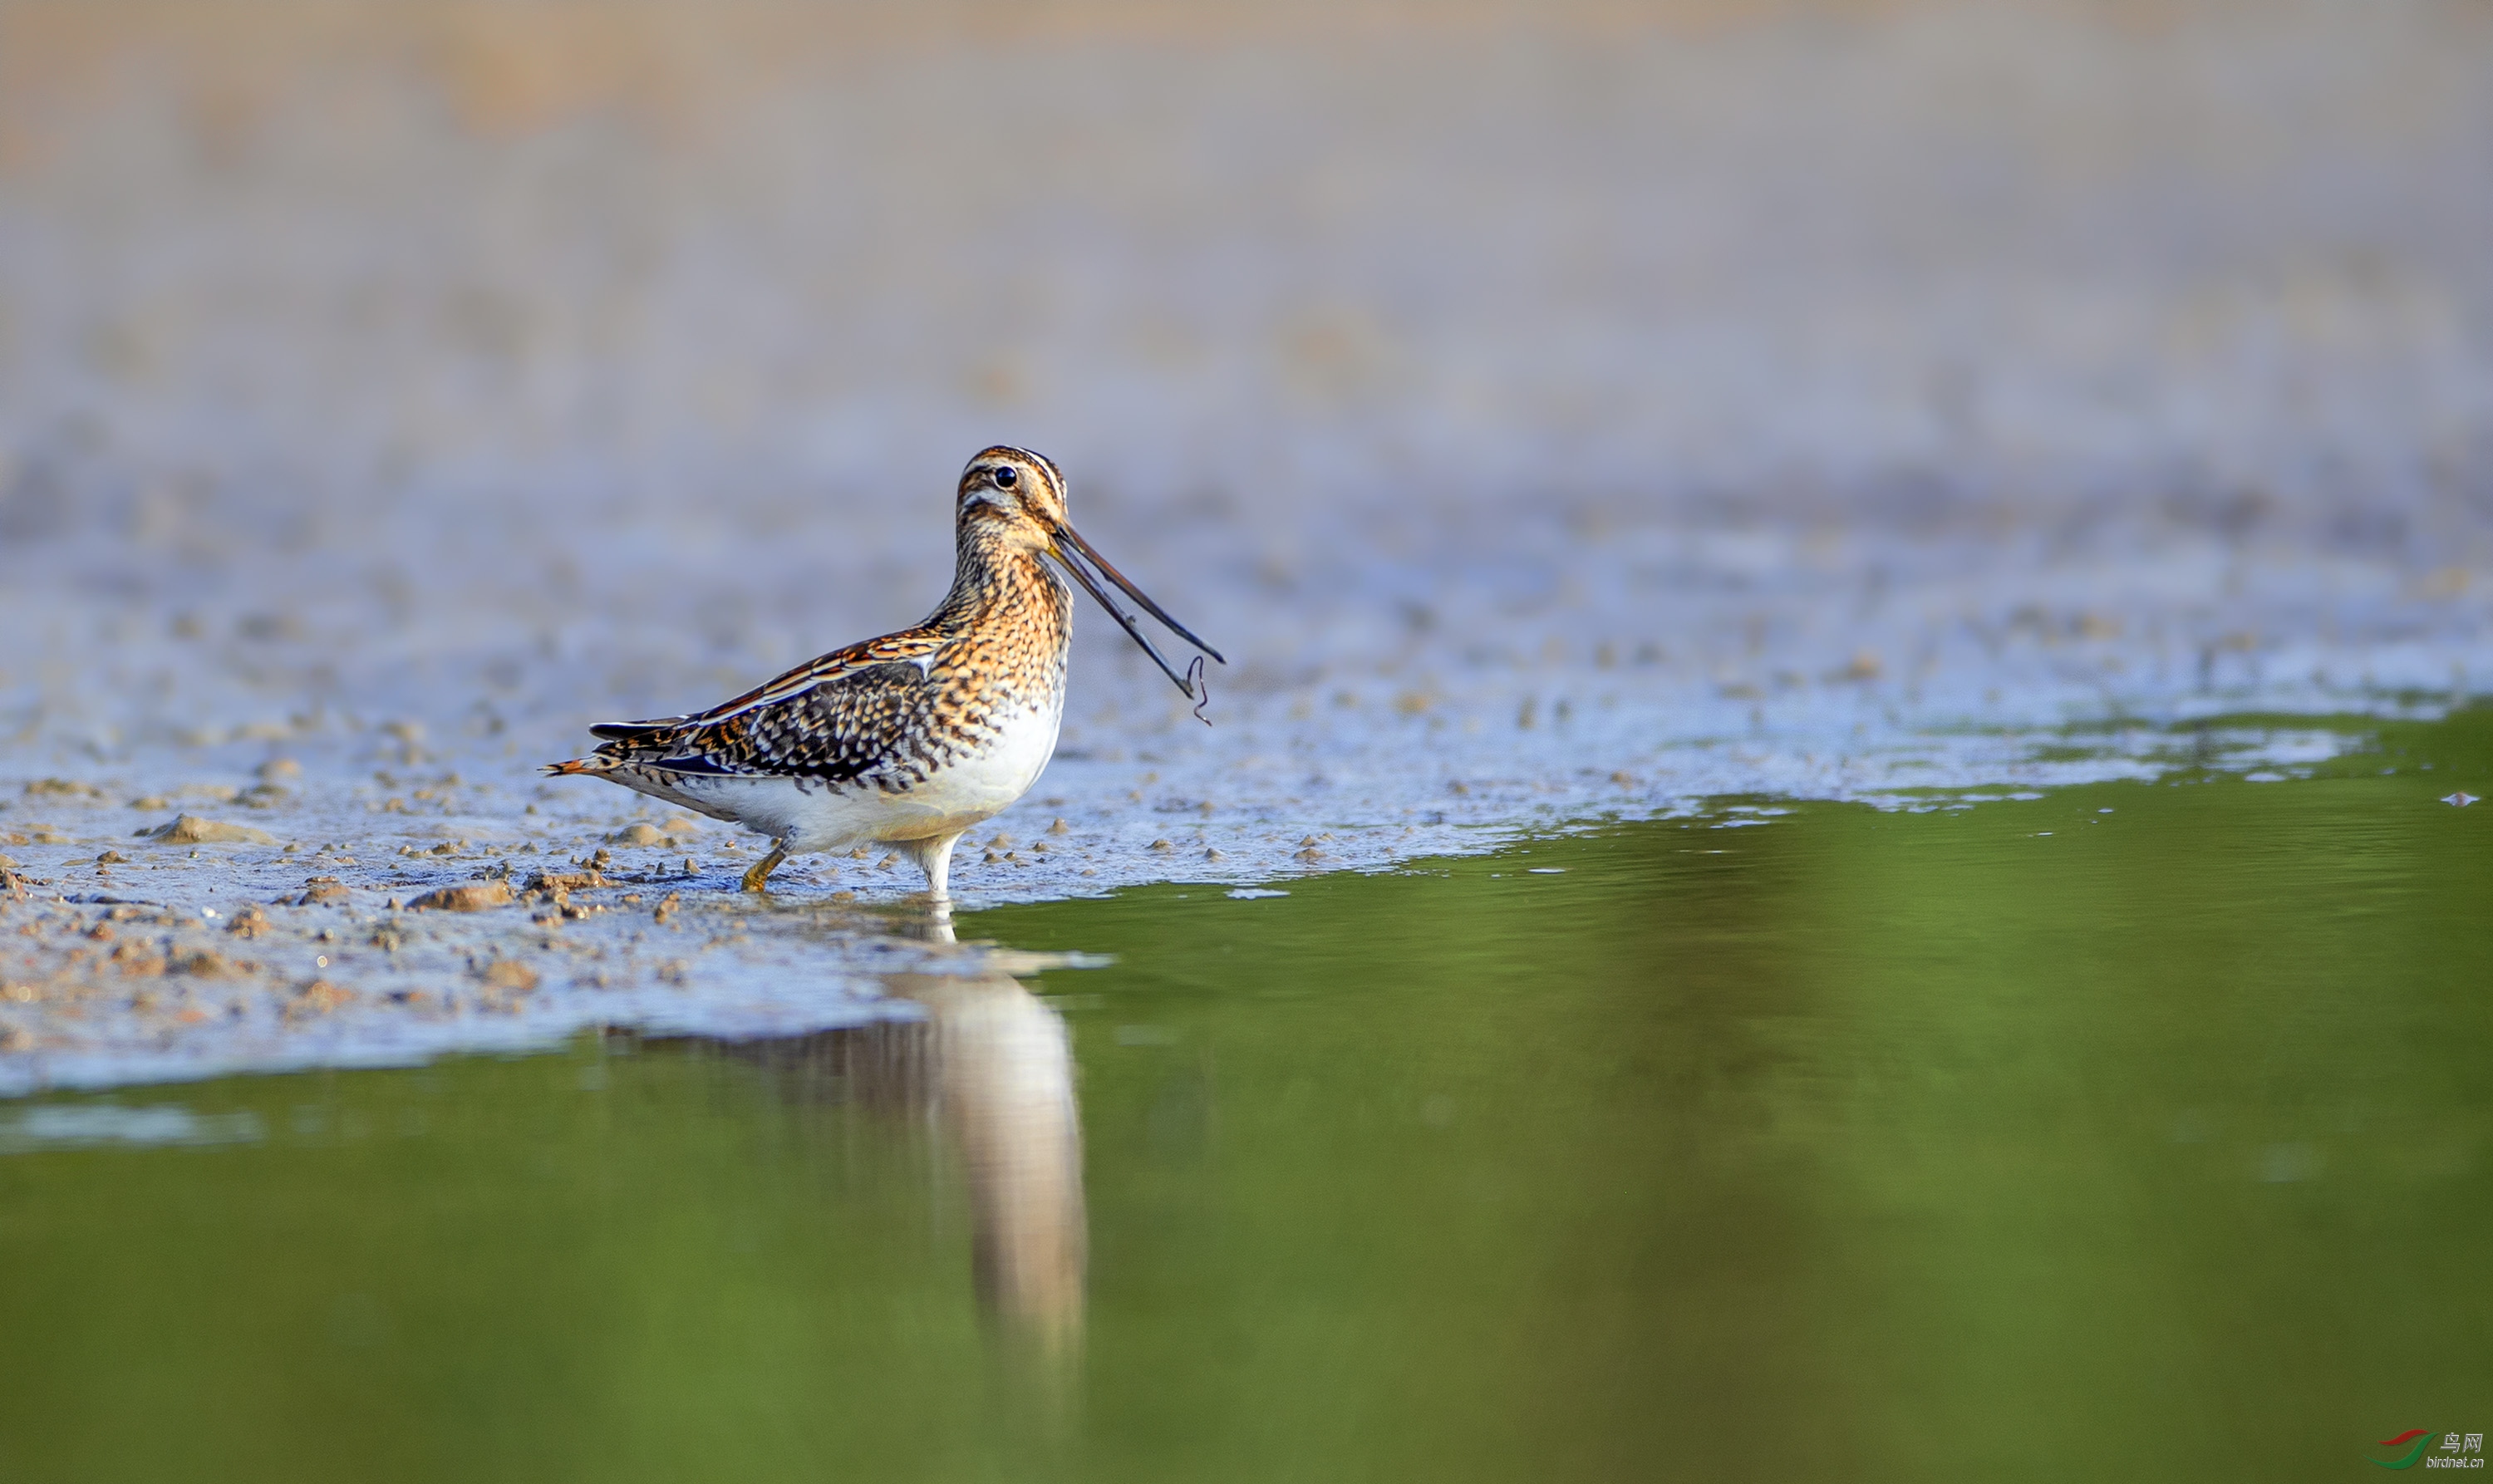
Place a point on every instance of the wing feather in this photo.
(836, 718)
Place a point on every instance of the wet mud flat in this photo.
(2014, 1134)
(420, 911)
(1725, 403)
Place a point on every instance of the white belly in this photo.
(813, 815)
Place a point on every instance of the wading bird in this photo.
(910, 739)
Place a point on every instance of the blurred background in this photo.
(1685, 412)
(2011, 360)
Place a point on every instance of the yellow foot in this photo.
(763, 868)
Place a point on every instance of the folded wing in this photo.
(838, 718)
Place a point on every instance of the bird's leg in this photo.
(934, 857)
(767, 863)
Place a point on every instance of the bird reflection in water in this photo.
(994, 1063)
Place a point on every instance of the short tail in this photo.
(591, 766)
(625, 743)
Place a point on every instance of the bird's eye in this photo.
(1005, 479)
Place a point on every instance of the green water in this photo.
(2031, 1140)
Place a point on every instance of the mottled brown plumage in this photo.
(911, 738)
(892, 711)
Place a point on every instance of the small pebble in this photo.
(472, 897)
(510, 974)
(192, 830)
(318, 998)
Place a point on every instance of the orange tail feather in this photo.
(588, 766)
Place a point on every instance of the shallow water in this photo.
(2133, 1129)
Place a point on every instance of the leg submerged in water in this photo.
(763, 868)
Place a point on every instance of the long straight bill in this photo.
(1091, 585)
(1138, 595)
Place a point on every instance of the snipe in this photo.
(910, 739)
